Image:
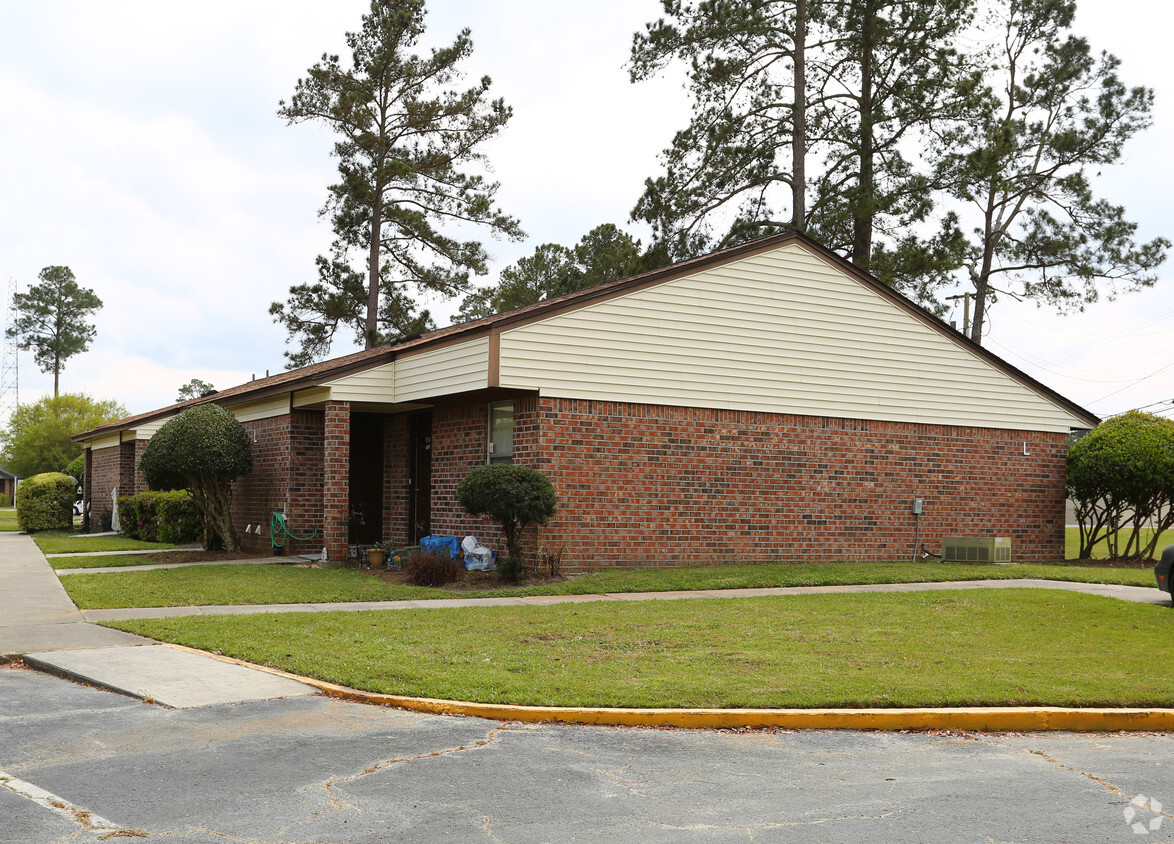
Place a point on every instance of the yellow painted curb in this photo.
(995, 719)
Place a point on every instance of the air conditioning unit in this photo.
(976, 549)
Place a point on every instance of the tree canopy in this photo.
(410, 167)
(905, 137)
(203, 449)
(52, 320)
(605, 253)
(194, 389)
(37, 438)
(1052, 115)
(1121, 477)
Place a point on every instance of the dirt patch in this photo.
(193, 556)
(471, 581)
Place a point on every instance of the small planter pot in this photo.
(376, 557)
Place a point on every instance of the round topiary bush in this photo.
(513, 496)
(1121, 477)
(204, 449)
(45, 502)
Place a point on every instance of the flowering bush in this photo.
(160, 517)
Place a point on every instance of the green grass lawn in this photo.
(8, 519)
(279, 584)
(62, 542)
(120, 560)
(953, 648)
(1100, 550)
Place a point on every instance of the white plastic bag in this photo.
(477, 556)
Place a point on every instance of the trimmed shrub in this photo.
(179, 518)
(432, 569)
(203, 449)
(45, 502)
(4, 502)
(161, 517)
(1121, 478)
(77, 469)
(513, 496)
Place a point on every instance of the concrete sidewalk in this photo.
(1138, 594)
(39, 623)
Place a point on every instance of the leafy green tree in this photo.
(409, 159)
(52, 320)
(513, 496)
(604, 254)
(194, 389)
(1121, 478)
(203, 449)
(1023, 163)
(38, 436)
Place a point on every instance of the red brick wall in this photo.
(261, 493)
(304, 512)
(130, 480)
(395, 479)
(336, 477)
(460, 437)
(286, 477)
(103, 475)
(652, 485)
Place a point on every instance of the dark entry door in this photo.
(366, 476)
(420, 478)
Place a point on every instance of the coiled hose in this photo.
(278, 528)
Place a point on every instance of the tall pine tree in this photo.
(409, 156)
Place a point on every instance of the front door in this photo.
(366, 479)
(420, 478)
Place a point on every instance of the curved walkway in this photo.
(1138, 594)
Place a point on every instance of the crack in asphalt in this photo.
(1101, 781)
(337, 803)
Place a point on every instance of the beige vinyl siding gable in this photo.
(368, 385)
(451, 369)
(783, 331)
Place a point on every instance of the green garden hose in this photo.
(278, 527)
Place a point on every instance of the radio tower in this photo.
(9, 373)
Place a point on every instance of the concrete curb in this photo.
(987, 719)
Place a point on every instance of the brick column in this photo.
(88, 491)
(336, 470)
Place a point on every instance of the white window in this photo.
(501, 432)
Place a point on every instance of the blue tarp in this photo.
(436, 544)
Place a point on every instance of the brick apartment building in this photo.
(765, 402)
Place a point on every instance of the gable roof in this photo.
(336, 368)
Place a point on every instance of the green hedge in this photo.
(4, 502)
(45, 502)
(160, 517)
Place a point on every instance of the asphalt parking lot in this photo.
(82, 764)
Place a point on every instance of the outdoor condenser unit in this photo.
(976, 549)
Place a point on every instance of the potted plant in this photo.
(376, 556)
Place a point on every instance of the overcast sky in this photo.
(139, 146)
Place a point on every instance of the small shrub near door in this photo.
(513, 496)
(45, 502)
(433, 569)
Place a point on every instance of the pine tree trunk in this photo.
(863, 207)
(799, 121)
(371, 328)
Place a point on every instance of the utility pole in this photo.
(9, 373)
(966, 297)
